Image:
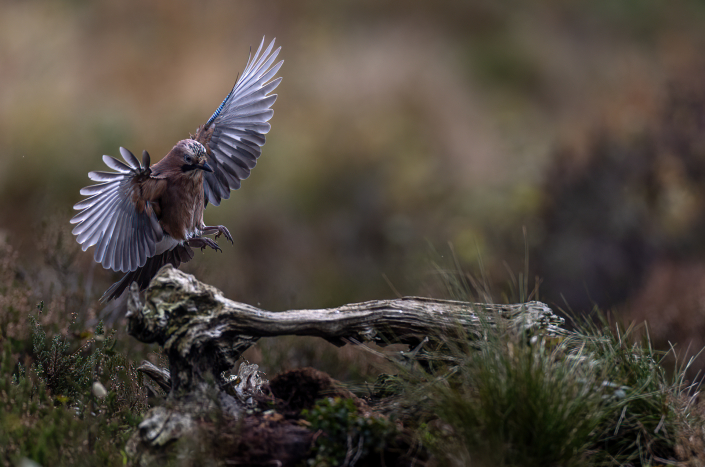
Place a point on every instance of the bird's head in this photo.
(193, 156)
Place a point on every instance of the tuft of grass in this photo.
(600, 396)
(597, 397)
(511, 402)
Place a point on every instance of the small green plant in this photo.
(344, 435)
(72, 404)
(66, 373)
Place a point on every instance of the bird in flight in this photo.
(141, 217)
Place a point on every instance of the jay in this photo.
(141, 217)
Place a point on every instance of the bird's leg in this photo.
(202, 243)
(218, 230)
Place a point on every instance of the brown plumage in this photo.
(141, 218)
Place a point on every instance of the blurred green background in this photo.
(407, 134)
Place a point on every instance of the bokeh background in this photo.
(563, 142)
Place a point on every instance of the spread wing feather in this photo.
(124, 237)
(116, 165)
(234, 135)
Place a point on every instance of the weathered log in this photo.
(204, 333)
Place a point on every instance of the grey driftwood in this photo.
(204, 334)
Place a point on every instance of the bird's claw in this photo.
(211, 244)
(203, 242)
(221, 230)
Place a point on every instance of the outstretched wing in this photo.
(122, 224)
(234, 135)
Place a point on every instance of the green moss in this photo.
(346, 434)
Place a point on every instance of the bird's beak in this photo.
(206, 167)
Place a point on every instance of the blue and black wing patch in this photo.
(234, 135)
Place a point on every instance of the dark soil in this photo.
(296, 390)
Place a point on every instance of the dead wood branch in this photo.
(204, 333)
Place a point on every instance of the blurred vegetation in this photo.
(568, 131)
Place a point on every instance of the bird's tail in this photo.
(176, 256)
